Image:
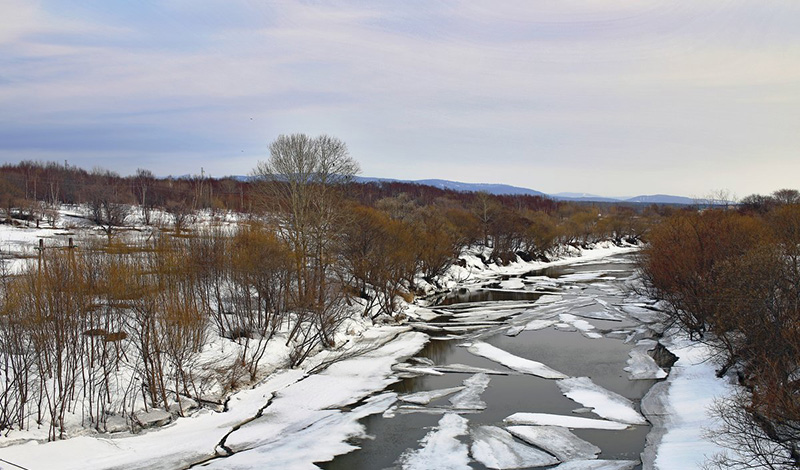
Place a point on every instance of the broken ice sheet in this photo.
(470, 397)
(557, 440)
(598, 465)
(440, 448)
(572, 422)
(465, 369)
(605, 403)
(511, 361)
(423, 398)
(496, 448)
(641, 365)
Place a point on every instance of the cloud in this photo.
(418, 89)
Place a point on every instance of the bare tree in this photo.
(300, 184)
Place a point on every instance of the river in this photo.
(591, 332)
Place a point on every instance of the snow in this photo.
(298, 402)
(519, 364)
(601, 465)
(465, 369)
(441, 448)
(604, 403)
(515, 283)
(641, 365)
(321, 441)
(692, 386)
(572, 422)
(556, 440)
(423, 398)
(496, 448)
(470, 397)
(581, 325)
(534, 325)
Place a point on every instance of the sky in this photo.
(608, 97)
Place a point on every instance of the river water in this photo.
(571, 296)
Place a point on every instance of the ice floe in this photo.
(496, 448)
(641, 365)
(470, 397)
(573, 422)
(511, 361)
(441, 448)
(557, 440)
(604, 403)
(598, 465)
(423, 398)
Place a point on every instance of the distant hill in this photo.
(662, 199)
(498, 189)
(505, 189)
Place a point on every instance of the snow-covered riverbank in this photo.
(294, 419)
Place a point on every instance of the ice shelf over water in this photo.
(496, 448)
(470, 397)
(511, 361)
(604, 403)
(572, 422)
(423, 398)
(440, 448)
(557, 440)
(641, 365)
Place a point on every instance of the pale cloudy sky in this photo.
(612, 97)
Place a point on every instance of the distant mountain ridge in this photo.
(506, 189)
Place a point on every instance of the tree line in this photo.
(732, 279)
(119, 323)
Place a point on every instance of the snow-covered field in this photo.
(293, 419)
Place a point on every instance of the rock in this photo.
(116, 423)
(186, 405)
(152, 419)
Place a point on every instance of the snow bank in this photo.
(691, 388)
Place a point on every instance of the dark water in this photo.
(569, 352)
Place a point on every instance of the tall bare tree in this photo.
(300, 184)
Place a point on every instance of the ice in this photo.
(601, 315)
(557, 440)
(320, 442)
(692, 388)
(470, 397)
(423, 398)
(441, 448)
(515, 330)
(604, 403)
(512, 284)
(511, 361)
(465, 369)
(414, 369)
(641, 365)
(582, 325)
(599, 465)
(534, 325)
(496, 448)
(572, 422)
(548, 299)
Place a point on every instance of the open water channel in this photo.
(580, 319)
